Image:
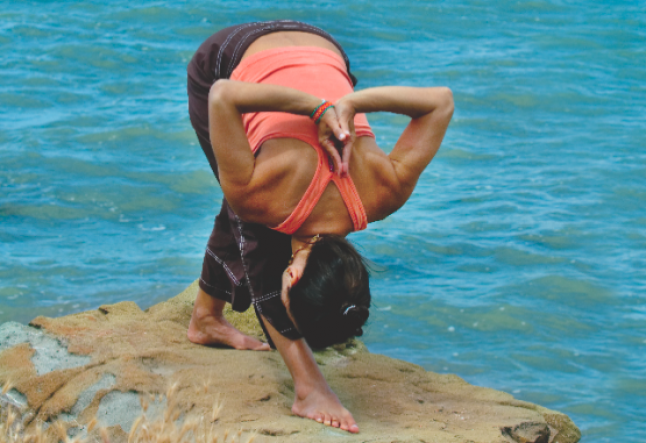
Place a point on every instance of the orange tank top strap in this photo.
(309, 200)
(352, 201)
(322, 177)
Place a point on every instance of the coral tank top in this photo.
(320, 72)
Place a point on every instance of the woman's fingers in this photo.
(345, 160)
(347, 140)
(328, 130)
(341, 134)
(345, 112)
(329, 147)
(345, 129)
(336, 136)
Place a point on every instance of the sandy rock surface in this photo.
(105, 363)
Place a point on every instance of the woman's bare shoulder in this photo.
(283, 170)
(376, 180)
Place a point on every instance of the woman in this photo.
(276, 168)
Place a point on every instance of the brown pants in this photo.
(244, 262)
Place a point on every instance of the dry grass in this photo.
(165, 428)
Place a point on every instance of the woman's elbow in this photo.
(220, 92)
(446, 103)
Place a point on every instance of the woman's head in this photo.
(330, 300)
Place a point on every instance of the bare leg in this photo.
(314, 398)
(209, 327)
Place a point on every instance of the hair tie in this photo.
(348, 309)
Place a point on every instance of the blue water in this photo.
(518, 263)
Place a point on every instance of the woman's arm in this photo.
(227, 101)
(430, 110)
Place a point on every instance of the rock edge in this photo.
(104, 362)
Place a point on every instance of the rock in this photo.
(528, 432)
(117, 361)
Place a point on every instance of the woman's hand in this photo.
(337, 135)
(345, 112)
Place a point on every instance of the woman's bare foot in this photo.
(324, 407)
(209, 327)
(314, 398)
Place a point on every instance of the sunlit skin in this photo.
(284, 167)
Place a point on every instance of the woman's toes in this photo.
(249, 343)
(354, 429)
(327, 421)
(335, 423)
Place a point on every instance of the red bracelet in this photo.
(320, 111)
(317, 108)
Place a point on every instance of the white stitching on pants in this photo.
(240, 228)
(267, 296)
(224, 265)
(281, 332)
(228, 39)
(244, 265)
(215, 287)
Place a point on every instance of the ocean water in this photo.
(517, 264)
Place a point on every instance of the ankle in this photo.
(305, 390)
(207, 306)
(201, 313)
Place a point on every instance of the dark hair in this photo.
(330, 302)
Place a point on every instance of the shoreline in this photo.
(103, 362)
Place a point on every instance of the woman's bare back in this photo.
(285, 168)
